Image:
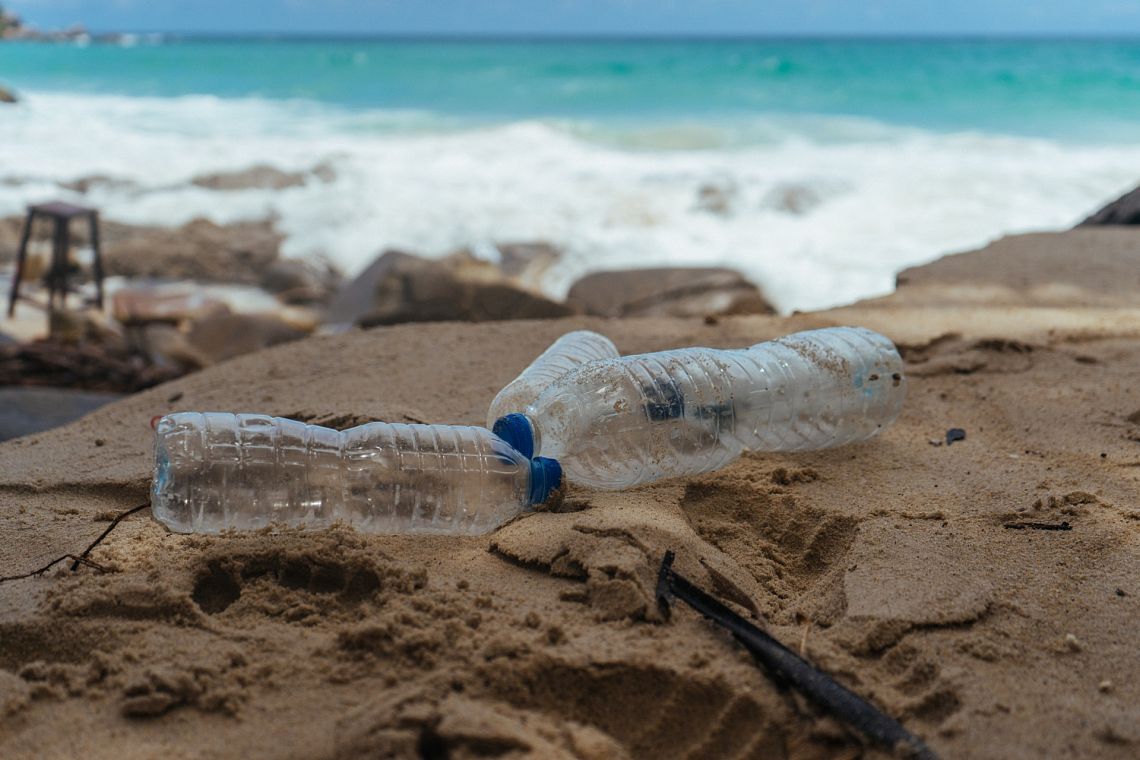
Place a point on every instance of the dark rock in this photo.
(7, 96)
(224, 336)
(459, 288)
(1123, 210)
(668, 292)
(357, 298)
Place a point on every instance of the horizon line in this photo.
(414, 36)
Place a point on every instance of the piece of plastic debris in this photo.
(955, 434)
(617, 423)
(217, 471)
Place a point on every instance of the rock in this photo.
(88, 327)
(91, 182)
(296, 281)
(1123, 210)
(7, 96)
(261, 176)
(527, 263)
(671, 292)
(356, 298)
(164, 345)
(1095, 265)
(135, 306)
(199, 250)
(224, 336)
(458, 288)
(715, 199)
(792, 199)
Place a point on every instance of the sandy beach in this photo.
(985, 593)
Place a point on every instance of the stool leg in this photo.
(93, 220)
(59, 256)
(21, 255)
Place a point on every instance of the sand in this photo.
(904, 566)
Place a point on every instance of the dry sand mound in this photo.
(913, 572)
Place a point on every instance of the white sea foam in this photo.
(819, 210)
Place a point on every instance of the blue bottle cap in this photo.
(516, 430)
(545, 477)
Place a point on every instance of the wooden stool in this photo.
(61, 215)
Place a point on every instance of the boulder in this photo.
(224, 336)
(7, 96)
(357, 298)
(668, 292)
(1123, 210)
(199, 250)
(399, 287)
(458, 288)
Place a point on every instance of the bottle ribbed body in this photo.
(218, 471)
(570, 351)
(621, 422)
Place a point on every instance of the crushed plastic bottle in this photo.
(570, 351)
(621, 422)
(217, 471)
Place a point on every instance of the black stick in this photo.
(789, 667)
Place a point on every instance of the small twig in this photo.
(52, 564)
(81, 559)
(785, 665)
(114, 523)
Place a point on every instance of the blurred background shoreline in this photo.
(818, 167)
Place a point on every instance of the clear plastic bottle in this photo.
(570, 351)
(621, 422)
(219, 471)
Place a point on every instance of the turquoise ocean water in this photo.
(837, 161)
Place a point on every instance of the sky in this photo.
(594, 17)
